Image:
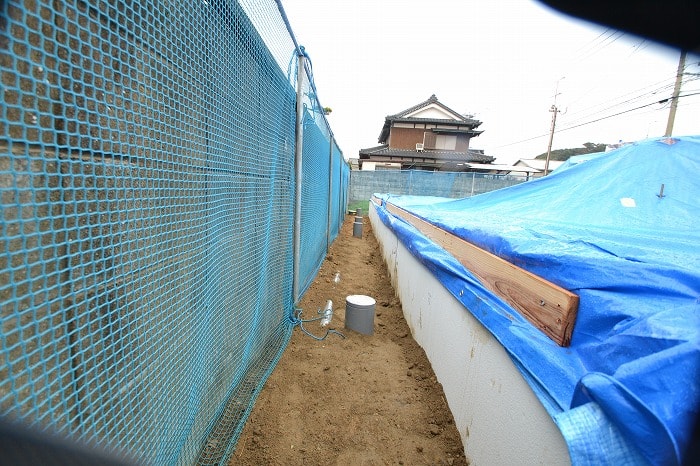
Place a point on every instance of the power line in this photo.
(520, 142)
(636, 98)
(637, 94)
(618, 104)
(610, 116)
(667, 84)
(637, 46)
(663, 101)
(613, 37)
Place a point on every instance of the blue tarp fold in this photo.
(622, 230)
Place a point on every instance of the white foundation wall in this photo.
(499, 418)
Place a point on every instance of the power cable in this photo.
(666, 87)
(669, 85)
(663, 101)
(610, 107)
(608, 41)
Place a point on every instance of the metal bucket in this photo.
(359, 313)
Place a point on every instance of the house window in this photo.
(445, 142)
(439, 141)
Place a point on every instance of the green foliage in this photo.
(564, 154)
(364, 205)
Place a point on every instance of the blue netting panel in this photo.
(337, 207)
(147, 182)
(345, 194)
(315, 187)
(454, 185)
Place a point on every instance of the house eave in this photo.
(388, 123)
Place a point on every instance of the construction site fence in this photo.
(455, 185)
(170, 186)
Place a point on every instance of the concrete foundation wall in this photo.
(499, 418)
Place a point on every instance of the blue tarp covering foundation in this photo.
(622, 231)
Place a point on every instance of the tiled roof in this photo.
(438, 155)
(432, 100)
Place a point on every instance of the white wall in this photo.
(500, 420)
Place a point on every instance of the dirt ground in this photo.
(362, 400)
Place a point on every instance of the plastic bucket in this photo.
(359, 313)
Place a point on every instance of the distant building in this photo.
(534, 166)
(427, 136)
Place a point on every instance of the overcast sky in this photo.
(499, 60)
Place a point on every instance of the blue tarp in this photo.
(623, 232)
(576, 159)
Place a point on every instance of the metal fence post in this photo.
(330, 194)
(298, 177)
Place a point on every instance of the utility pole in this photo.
(554, 111)
(674, 98)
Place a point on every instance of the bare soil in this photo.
(358, 400)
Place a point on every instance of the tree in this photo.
(564, 154)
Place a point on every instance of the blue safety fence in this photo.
(324, 169)
(340, 176)
(455, 185)
(147, 154)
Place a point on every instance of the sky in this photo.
(502, 61)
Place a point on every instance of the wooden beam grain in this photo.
(549, 307)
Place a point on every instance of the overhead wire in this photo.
(638, 96)
(612, 36)
(606, 38)
(645, 89)
(587, 115)
(669, 83)
(560, 130)
(663, 101)
(596, 85)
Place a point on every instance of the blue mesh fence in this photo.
(426, 183)
(326, 176)
(340, 172)
(314, 209)
(147, 180)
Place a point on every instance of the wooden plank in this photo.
(549, 307)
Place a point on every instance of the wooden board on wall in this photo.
(549, 307)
